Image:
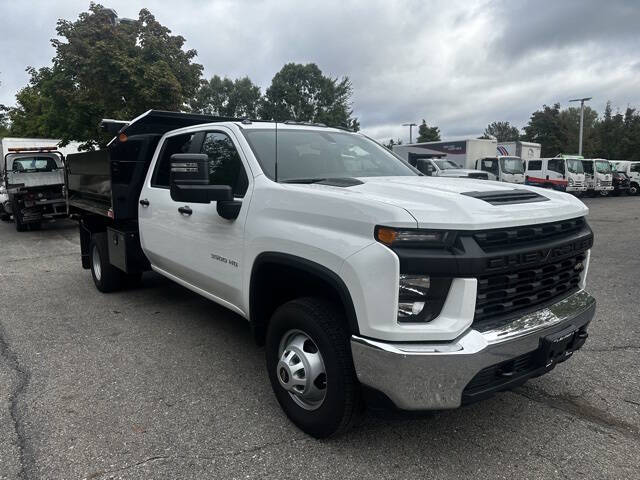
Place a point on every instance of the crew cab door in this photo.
(191, 241)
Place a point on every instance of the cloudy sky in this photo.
(458, 64)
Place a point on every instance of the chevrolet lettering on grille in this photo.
(542, 255)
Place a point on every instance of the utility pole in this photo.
(581, 100)
(410, 125)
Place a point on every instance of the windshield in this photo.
(446, 164)
(512, 165)
(318, 154)
(575, 166)
(603, 167)
(34, 164)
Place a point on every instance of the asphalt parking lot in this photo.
(158, 382)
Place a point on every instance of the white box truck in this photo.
(524, 150)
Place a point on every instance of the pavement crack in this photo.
(214, 456)
(578, 407)
(25, 454)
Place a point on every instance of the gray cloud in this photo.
(458, 64)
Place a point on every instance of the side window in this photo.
(556, 166)
(490, 165)
(535, 165)
(225, 166)
(588, 167)
(635, 167)
(176, 144)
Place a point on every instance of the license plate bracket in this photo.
(559, 346)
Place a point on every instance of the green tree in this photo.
(570, 120)
(427, 133)
(545, 127)
(501, 131)
(389, 145)
(105, 68)
(227, 98)
(302, 93)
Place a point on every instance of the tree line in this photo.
(614, 136)
(106, 67)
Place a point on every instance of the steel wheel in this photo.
(95, 263)
(301, 370)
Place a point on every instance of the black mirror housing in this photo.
(189, 180)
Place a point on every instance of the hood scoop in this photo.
(508, 197)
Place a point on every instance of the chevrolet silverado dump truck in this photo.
(366, 281)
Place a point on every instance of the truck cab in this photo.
(441, 167)
(559, 173)
(632, 171)
(598, 176)
(503, 168)
(33, 180)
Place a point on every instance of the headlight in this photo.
(570, 181)
(421, 297)
(405, 237)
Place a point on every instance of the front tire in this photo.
(17, 216)
(106, 277)
(310, 367)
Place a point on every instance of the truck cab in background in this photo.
(598, 176)
(632, 170)
(441, 167)
(502, 168)
(564, 173)
(32, 191)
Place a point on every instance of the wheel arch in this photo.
(302, 276)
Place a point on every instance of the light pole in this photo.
(581, 100)
(410, 125)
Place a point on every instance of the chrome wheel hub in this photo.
(301, 370)
(95, 260)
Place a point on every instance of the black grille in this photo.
(513, 291)
(509, 197)
(506, 237)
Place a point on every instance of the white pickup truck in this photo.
(366, 281)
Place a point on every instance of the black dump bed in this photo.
(108, 182)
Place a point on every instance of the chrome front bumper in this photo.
(432, 376)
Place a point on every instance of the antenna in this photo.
(276, 161)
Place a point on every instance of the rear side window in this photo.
(556, 166)
(176, 144)
(225, 165)
(535, 165)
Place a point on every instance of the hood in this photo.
(438, 202)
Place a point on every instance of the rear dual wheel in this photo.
(106, 277)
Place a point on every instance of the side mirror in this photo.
(189, 180)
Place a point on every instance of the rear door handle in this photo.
(185, 211)
(144, 202)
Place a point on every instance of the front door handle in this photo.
(144, 202)
(185, 211)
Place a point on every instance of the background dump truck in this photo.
(32, 181)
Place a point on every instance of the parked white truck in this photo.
(366, 281)
(440, 159)
(32, 179)
(598, 176)
(524, 150)
(632, 170)
(563, 172)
